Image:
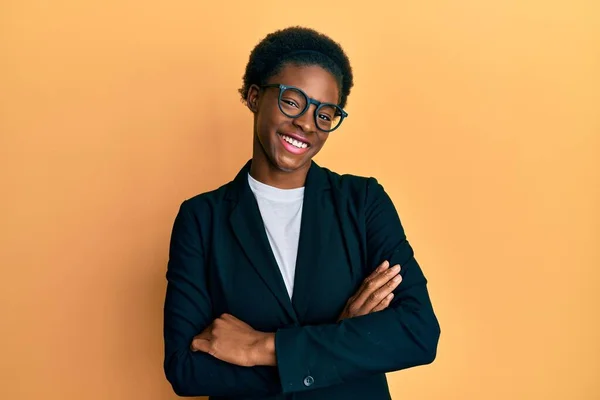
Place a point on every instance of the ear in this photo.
(252, 99)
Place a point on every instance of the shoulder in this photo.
(356, 187)
(206, 201)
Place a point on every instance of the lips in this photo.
(296, 137)
(293, 145)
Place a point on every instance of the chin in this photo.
(284, 164)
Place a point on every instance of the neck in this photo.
(263, 170)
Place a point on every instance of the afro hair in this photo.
(299, 46)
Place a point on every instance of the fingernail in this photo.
(383, 266)
(397, 278)
(390, 296)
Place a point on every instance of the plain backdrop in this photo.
(480, 118)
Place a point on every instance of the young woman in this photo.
(292, 281)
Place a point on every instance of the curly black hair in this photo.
(300, 46)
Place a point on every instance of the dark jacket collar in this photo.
(317, 220)
(316, 180)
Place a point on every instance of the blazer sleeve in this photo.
(187, 311)
(403, 335)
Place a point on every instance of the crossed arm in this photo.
(374, 333)
(231, 340)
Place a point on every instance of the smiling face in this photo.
(283, 144)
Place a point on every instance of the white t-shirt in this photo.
(281, 211)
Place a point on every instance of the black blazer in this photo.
(220, 261)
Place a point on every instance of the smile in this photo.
(294, 142)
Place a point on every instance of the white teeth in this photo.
(295, 142)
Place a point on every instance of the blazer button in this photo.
(308, 381)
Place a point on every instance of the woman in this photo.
(285, 282)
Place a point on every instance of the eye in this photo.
(327, 112)
(324, 117)
(290, 103)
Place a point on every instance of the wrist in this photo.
(264, 350)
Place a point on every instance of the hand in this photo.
(232, 340)
(375, 293)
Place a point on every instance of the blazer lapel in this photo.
(249, 230)
(317, 220)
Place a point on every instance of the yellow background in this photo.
(481, 119)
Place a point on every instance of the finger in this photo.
(385, 275)
(205, 334)
(384, 303)
(370, 287)
(200, 345)
(382, 267)
(377, 272)
(379, 289)
(233, 320)
(380, 294)
(350, 300)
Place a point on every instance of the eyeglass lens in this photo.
(293, 103)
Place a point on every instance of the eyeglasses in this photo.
(293, 103)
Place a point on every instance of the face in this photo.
(273, 130)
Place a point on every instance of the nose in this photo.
(306, 121)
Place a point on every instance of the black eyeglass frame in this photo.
(310, 100)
